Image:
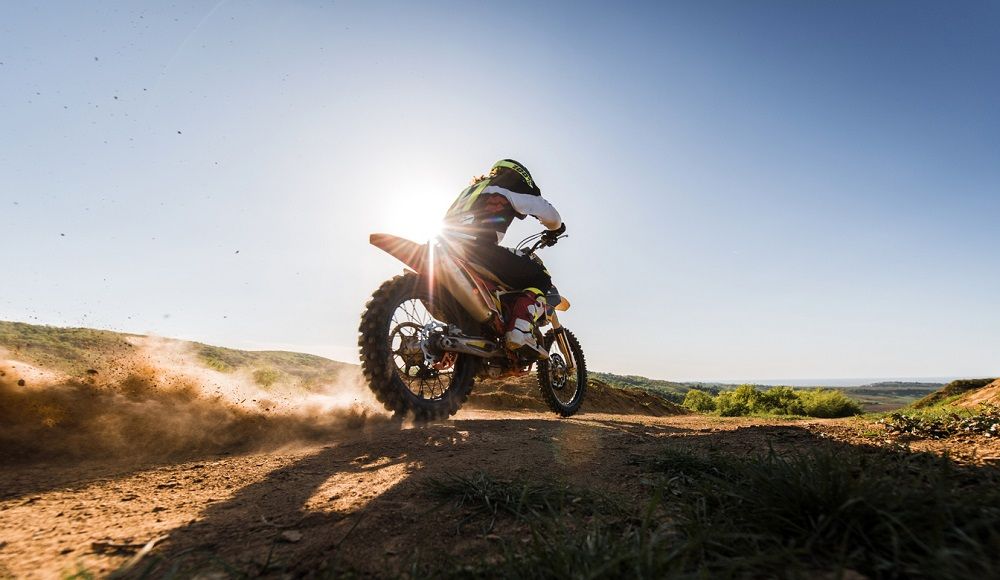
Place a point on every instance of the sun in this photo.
(417, 218)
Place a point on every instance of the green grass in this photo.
(266, 377)
(813, 513)
(70, 350)
(75, 350)
(942, 421)
(482, 494)
(749, 400)
(269, 367)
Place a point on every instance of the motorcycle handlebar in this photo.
(545, 241)
(541, 240)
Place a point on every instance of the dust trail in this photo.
(160, 403)
(177, 360)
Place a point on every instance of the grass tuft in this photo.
(486, 495)
(824, 512)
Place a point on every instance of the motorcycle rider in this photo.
(479, 218)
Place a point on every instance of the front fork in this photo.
(562, 342)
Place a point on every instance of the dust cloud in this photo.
(159, 403)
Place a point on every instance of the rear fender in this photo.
(408, 252)
(444, 271)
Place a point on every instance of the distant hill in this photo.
(953, 392)
(985, 395)
(79, 351)
(522, 393)
(87, 353)
(879, 396)
(671, 390)
(905, 386)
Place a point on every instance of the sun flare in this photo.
(413, 218)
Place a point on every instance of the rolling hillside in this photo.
(92, 355)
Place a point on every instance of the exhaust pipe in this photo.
(474, 346)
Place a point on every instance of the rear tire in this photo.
(379, 365)
(562, 393)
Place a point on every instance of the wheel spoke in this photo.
(408, 321)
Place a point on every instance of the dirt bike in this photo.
(426, 335)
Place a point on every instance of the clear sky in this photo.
(753, 190)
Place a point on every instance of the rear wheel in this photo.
(562, 389)
(401, 371)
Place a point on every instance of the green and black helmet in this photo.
(510, 174)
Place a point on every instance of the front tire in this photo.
(429, 394)
(562, 390)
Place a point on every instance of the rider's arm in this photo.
(533, 205)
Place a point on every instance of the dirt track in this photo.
(305, 502)
(356, 502)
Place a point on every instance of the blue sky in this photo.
(754, 190)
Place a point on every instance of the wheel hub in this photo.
(409, 350)
(558, 372)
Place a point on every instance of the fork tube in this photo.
(562, 342)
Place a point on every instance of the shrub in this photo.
(938, 424)
(827, 404)
(749, 400)
(781, 401)
(266, 377)
(744, 400)
(699, 401)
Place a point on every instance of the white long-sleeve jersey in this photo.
(483, 210)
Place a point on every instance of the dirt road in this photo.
(358, 502)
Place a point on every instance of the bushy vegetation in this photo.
(266, 377)
(749, 400)
(71, 350)
(271, 365)
(821, 513)
(699, 401)
(224, 360)
(80, 351)
(941, 422)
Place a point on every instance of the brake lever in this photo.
(549, 242)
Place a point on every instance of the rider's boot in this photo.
(526, 313)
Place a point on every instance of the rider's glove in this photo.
(552, 236)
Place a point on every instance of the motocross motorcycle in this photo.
(426, 335)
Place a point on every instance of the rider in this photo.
(480, 217)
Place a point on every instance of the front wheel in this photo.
(562, 388)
